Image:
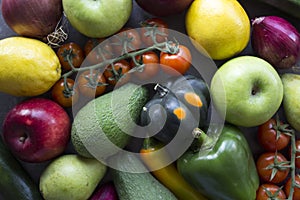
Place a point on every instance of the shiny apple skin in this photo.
(36, 130)
(163, 8)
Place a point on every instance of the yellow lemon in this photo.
(28, 67)
(220, 27)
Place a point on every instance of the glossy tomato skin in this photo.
(288, 184)
(151, 65)
(132, 38)
(176, 64)
(120, 76)
(297, 160)
(272, 188)
(161, 26)
(267, 159)
(63, 98)
(87, 83)
(76, 55)
(268, 139)
(91, 50)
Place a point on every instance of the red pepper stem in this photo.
(203, 139)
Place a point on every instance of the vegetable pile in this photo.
(136, 110)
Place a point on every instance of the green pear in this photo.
(291, 96)
(71, 177)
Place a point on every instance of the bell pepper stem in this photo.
(203, 139)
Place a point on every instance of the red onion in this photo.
(276, 40)
(106, 191)
(32, 18)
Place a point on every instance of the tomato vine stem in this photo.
(293, 167)
(168, 46)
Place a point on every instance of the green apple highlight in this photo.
(291, 86)
(97, 18)
(246, 91)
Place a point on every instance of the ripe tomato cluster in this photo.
(274, 164)
(94, 81)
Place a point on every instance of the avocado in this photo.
(104, 125)
(134, 182)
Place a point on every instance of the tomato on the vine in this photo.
(91, 83)
(271, 137)
(297, 159)
(150, 67)
(270, 191)
(272, 167)
(288, 185)
(119, 73)
(126, 40)
(153, 28)
(176, 64)
(75, 53)
(93, 49)
(66, 97)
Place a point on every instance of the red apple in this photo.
(36, 130)
(163, 8)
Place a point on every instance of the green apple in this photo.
(246, 91)
(97, 18)
(71, 177)
(291, 96)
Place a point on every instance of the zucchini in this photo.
(291, 7)
(15, 182)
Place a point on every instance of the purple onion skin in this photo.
(32, 18)
(163, 8)
(275, 40)
(106, 192)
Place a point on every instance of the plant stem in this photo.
(203, 139)
(293, 167)
(113, 60)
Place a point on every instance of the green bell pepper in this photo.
(222, 167)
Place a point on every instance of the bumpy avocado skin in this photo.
(103, 126)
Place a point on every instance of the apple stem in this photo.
(22, 139)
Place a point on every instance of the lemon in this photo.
(218, 28)
(28, 66)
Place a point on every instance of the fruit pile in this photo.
(118, 104)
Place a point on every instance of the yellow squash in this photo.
(28, 67)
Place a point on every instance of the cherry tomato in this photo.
(75, 53)
(287, 187)
(119, 74)
(148, 29)
(150, 68)
(126, 36)
(269, 191)
(270, 137)
(297, 160)
(66, 98)
(93, 47)
(270, 162)
(91, 83)
(176, 64)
